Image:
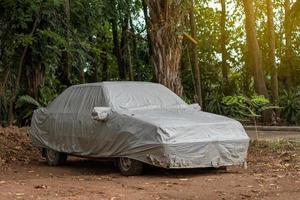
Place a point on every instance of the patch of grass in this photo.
(279, 154)
(275, 146)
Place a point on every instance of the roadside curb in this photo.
(273, 128)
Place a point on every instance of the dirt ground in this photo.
(273, 173)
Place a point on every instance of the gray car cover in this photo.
(147, 122)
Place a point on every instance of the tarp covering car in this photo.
(146, 122)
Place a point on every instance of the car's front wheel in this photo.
(55, 158)
(130, 167)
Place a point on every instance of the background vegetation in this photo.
(238, 58)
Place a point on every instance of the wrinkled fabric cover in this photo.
(148, 123)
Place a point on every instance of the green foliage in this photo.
(87, 40)
(27, 100)
(280, 147)
(215, 104)
(290, 103)
(25, 106)
(239, 107)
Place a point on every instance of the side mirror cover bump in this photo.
(101, 113)
(196, 106)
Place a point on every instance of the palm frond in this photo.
(26, 99)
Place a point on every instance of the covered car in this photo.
(136, 123)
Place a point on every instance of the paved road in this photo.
(274, 135)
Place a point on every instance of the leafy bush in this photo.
(290, 103)
(239, 107)
(215, 104)
(25, 107)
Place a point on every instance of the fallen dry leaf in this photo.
(40, 187)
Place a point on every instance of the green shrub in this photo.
(25, 106)
(215, 104)
(290, 103)
(240, 107)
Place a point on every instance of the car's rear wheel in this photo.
(130, 167)
(55, 158)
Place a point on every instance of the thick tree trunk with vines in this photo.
(166, 18)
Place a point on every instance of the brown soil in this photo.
(273, 173)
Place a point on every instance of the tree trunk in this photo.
(223, 47)
(66, 67)
(294, 17)
(3, 103)
(35, 78)
(147, 22)
(19, 73)
(3, 84)
(117, 49)
(255, 57)
(124, 47)
(271, 51)
(246, 77)
(136, 60)
(288, 45)
(105, 74)
(82, 76)
(135, 52)
(96, 69)
(10, 113)
(166, 19)
(194, 57)
(129, 62)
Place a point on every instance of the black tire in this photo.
(55, 158)
(130, 167)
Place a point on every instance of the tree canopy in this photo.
(223, 54)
